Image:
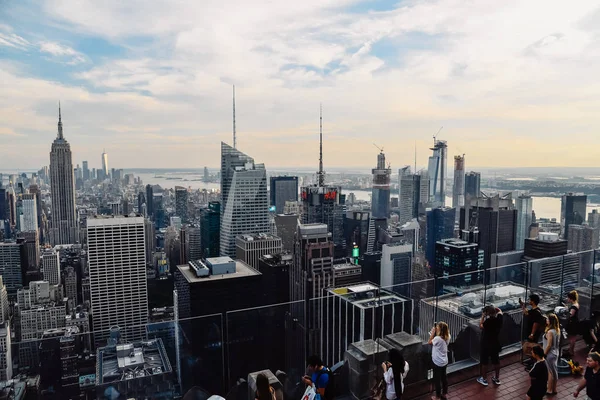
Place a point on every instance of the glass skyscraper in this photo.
(244, 204)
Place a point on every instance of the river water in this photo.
(544, 207)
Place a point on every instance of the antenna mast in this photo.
(234, 138)
(321, 174)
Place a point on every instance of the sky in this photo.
(513, 83)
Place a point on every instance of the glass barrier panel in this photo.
(267, 338)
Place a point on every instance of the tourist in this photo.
(551, 351)
(264, 391)
(535, 325)
(394, 373)
(573, 324)
(538, 375)
(591, 378)
(439, 338)
(490, 324)
(321, 378)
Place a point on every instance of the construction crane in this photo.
(438, 132)
(379, 148)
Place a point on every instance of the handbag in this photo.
(378, 391)
(309, 393)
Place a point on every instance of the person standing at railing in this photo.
(536, 323)
(538, 375)
(591, 378)
(551, 350)
(490, 324)
(394, 373)
(439, 338)
(264, 390)
(573, 324)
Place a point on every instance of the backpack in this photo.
(330, 388)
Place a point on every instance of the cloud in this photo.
(60, 51)
(498, 71)
(15, 41)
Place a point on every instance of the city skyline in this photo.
(384, 71)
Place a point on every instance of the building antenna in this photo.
(415, 156)
(234, 136)
(321, 174)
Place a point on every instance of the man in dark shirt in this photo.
(591, 379)
(538, 375)
(490, 324)
(534, 328)
(536, 320)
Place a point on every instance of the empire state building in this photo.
(62, 187)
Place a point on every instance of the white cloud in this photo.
(60, 51)
(480, 68)
(15, 41)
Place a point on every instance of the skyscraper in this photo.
(149, 200)
(245, 205)
(324, 204)
(282, 189)
(472, 184)
(572, 212)
(210, 231)
(104, 165)
(181, 203)
(495, 220)
(29, 218)
(440, 225)
(458, 190)
(380, 201)
(312, 273)
(117, 268)
(62, 191)
(454, 257)
(13, 263)
(524, 206)
(437, 172)
(86, 171)
(6, 365)
(250, 248)
(4, 306)
(35, 190)
(51, 267)
(414, 191)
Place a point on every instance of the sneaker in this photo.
(496, 381)
(482, 380)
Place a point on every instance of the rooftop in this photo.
(103, 220)
(242, 270)
(131, 361)
(258, 236)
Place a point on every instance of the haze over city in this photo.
(513, 83)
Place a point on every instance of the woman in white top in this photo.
(394, 373)
(439, 337)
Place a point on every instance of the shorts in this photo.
(489, 352)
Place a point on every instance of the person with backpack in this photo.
(394, 373)
(321, 379)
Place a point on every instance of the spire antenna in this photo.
(415, 156)
(321, 174)
(234, 136)
(60, 127)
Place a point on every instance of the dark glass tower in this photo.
(380, 201)
(440, 225)
(472, 184)
(282, 189)
(210, 230)
(573, 212)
